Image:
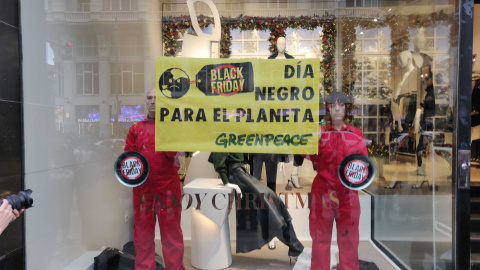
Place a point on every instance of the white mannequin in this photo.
(408, 61)
(281, 45)
(411, 64)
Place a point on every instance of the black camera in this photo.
(19, 201)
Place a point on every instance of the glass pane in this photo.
(406, 125)
(126, 67)
(264, 46)
(88, 83)
(236, 33)
(305, 46)
(443, 30)
(370, 110)
(138, 84)
(138, 67)
(370, 33)
(264, 34)
(236, 47)
(385, 45)
(127, 82)
(305, 34)
(95, 84)
(442, 44)
(79, 81)
(370, 46)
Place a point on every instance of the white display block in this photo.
(210, 230)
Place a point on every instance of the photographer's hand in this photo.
(6, 215)
(17, 213)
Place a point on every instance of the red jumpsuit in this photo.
(153, 199)
(331, 200)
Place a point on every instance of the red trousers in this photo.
(146, 208)
(344, 208)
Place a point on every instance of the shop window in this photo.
(250, 43)
(87, 79)
(127, 45)
(129, 77)
(302, 41)
(275, 4)
(361, 3)
(373, 72)
(48, 5)
(120, 5)
(83, 5)
(85, 46)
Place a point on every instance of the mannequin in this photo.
(426, 124)
(271, 160)
(410, 86)
(281, 54)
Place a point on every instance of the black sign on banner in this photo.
(131, 169)
(356, 171)
(225, 79)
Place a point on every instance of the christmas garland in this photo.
(349, 63)
(328, 50)
(399, 24)
(173, 26)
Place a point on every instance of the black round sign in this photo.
(356, 171)
(131, 169)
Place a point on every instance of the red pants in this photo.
(145, 210)
(345, 210)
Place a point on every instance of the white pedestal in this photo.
(210, 232)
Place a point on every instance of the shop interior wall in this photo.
(78, 203)
(11, 139)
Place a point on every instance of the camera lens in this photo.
(19, 201)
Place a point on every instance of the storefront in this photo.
(404, 66)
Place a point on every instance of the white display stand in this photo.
(210, 232)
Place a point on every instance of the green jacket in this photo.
(221, 161)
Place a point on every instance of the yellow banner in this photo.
(235, 105)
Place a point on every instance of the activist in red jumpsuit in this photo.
(154, 198)
(331, 200)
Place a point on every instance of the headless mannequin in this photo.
(409, 62)
(410, 83)
(281, 54)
